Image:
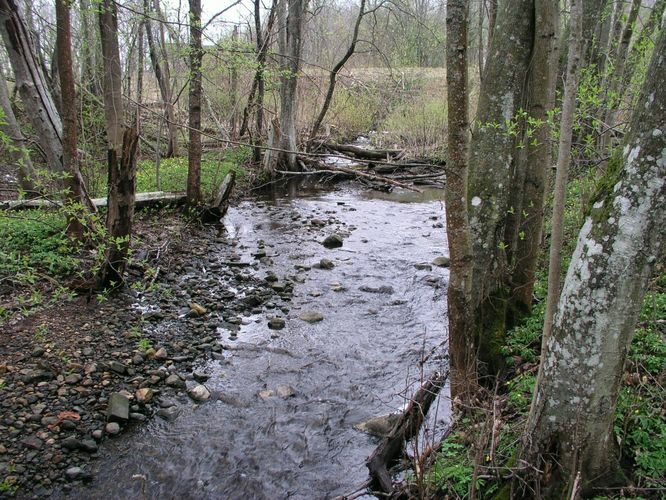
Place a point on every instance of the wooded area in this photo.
(539, 124)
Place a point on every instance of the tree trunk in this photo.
(163, 77)
(525, 238)
(194, 147)
(18, 151)
(32, 85)
(334, 74)
(75, 188)
(139, 75)
(490, 168)
(121, 154)
(291, 16)
(462, 345)
(616, 79)
(256, 98)
(233, 84)
(563, 160)
(638, 48)
(570, 426)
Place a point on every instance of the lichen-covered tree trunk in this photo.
(18, 151)
(31, 83)
(570, 426)
(291, 17)
(194, 147)
(526, 215)
(492, 160)
(462, 349)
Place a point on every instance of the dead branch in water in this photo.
(406, 428)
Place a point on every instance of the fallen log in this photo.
(141, 200)
(220, 205)
(362, 153)
(406, 428)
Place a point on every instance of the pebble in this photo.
(333, 241)
(441, 261)
(311, 316)
(326, 264)
(276, 323)
(112, 428)
(199, 393)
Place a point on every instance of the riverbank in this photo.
(62, 365)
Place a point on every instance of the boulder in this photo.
(333, 241)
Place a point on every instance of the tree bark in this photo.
(570, 426)
(19, 151)
(462, 345)
(32, 85)
(525, 223)
(490, 168)
(75, 188)
(194, 147)
(163, 77)
(638, 48)
(233, 84)
(255, 99)
(291, 16)
(121, 155)
(561, 176)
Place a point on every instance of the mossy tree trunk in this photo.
(570, 426)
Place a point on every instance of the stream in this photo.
(280, 422)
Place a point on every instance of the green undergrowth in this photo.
(640, 424)
(39, 263)
(173, 173)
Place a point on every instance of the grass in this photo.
(173, 173)
(36, 250)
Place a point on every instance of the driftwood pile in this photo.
(381, 169)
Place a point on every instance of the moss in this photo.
(604, 188)
(492, 329)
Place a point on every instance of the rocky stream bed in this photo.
(242, 371)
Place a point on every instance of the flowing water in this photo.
(384, 309)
